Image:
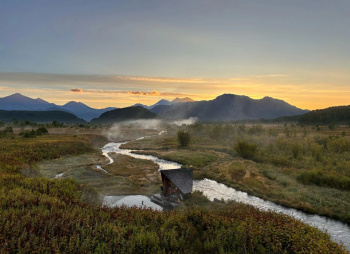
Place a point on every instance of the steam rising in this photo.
(189, 121)
(115, 132)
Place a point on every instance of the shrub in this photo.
(41, 131)
(257, 129)
(245, 149)
(215, 132)
(316, 151)
(8, 130)
(296, 150)
(183, 138)
(272, 132)
(318, 177)
(29, 134)
(338, 144)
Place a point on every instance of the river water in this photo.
(130, 200)
(339, 231)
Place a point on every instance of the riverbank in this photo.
(339, 231)
(216, 159)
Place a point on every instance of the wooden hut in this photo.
(177, 181)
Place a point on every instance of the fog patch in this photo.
(113, 133)
(117, 131)
(153, 124)
(189, 121)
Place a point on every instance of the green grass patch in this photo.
(319, 178)
(237, 170)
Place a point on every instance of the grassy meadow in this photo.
(302, 167)
(41, 214)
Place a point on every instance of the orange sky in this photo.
(101, 91)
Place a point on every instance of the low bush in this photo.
(245, 149)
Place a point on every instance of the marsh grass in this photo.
(280, 165)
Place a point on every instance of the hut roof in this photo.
(182, 178)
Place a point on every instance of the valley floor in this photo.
(48, 215)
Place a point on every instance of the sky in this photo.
(118, 53)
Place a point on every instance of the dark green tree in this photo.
(183, 138)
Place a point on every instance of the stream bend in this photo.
(339, 231)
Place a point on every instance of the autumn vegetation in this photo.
(49, 215)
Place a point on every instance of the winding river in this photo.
(339, 231)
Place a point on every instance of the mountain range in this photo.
(228, 107)
(20, 102)
(225, 107)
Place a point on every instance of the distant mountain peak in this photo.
(74, 103)
(140, 104)
(18, 101)
(186, 99)
(16, 95)
(160, 102)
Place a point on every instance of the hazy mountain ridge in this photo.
(39, 116)
(85, 112)
(124, 114)
(178, 100)
(229, 107)
(165, 102)
(18, 101)
(331, 115)
(223, 108)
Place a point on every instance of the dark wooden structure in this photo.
(177, 182)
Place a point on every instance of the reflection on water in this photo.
(340, 232)
(58, 175)
(133, 200)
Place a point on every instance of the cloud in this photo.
(153, 93)
(165, 80)
(272, 76)
(136, 93)
(76, 90)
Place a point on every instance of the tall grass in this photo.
(18, 152)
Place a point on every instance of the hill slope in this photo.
(124, 114)
(340, 114)
(229, 107)
(39, 116)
